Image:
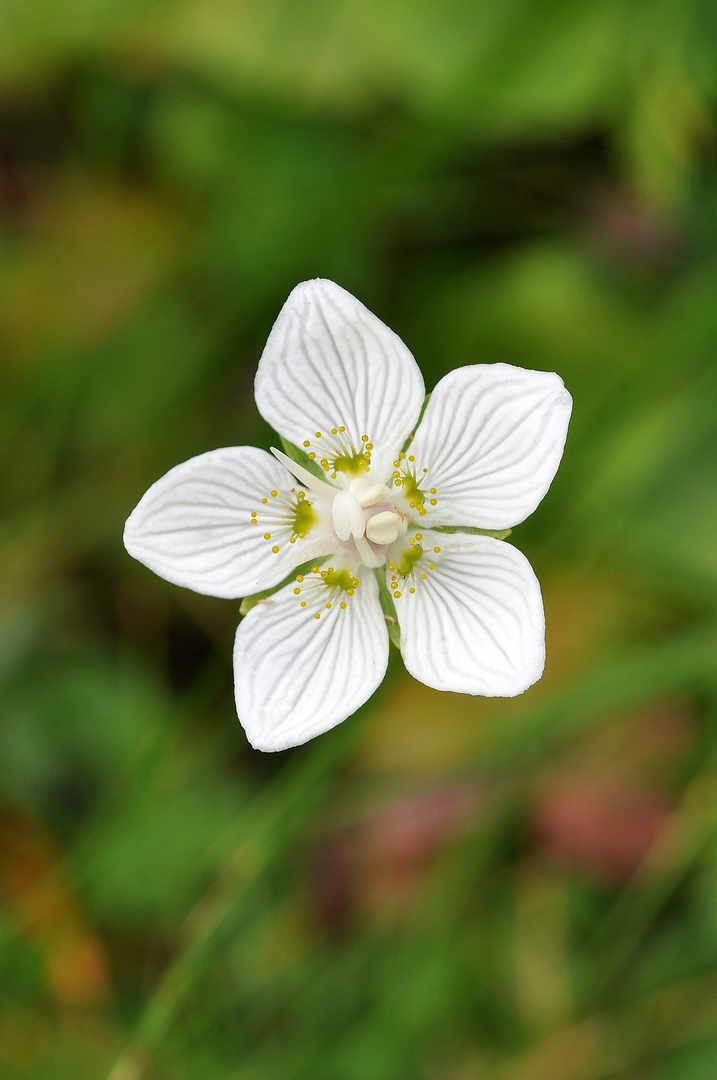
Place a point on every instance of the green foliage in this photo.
(442, 886)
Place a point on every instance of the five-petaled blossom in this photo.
(379, 523)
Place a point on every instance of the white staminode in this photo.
(384, 527)
(338, 384)
(347, 516)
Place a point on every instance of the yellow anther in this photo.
(317, 615)
(302, 495)
(424, 576)
(369, 446)
(437, 550)
(267, 536)
(411, 457)
(312, 455)
(343, 604)
(434, 502)
(412, 539)
(397, 595)
(396, 465)
(364, 438)
(412, 589)
(300, 578)
(419, 536)
(318, 434)
(296, 592)
(433, 491)
(306, 442)
(303, 603)
(334, 431)
(275, 550)
(328, 606)
(265, 501)
(342, 429)
(253, 513)
(324, 573)
(402, 456)
(274, 494)
(349, 592)
(431, 566)
(314, 569)
(397, 475)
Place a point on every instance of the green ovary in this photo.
(305, 518)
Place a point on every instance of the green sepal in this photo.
(251, 601)
(302, 458)
(497, 534)
(388, 607)
(409, 440)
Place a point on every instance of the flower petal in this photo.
(475, 624)
(329, 362)
(296, 676)
(491, 437)
(193, 527)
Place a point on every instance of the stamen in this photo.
(329, 588)
(339, 454)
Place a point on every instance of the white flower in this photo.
(335, 382)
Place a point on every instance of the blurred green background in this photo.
(443, 888)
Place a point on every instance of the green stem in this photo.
(272, 822)
(388, 607)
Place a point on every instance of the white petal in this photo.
(491, 437)
(475, 625)
(297, 676)
(193, 527)
(330, 362)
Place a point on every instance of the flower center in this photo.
(365, 517)
(363, 521)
